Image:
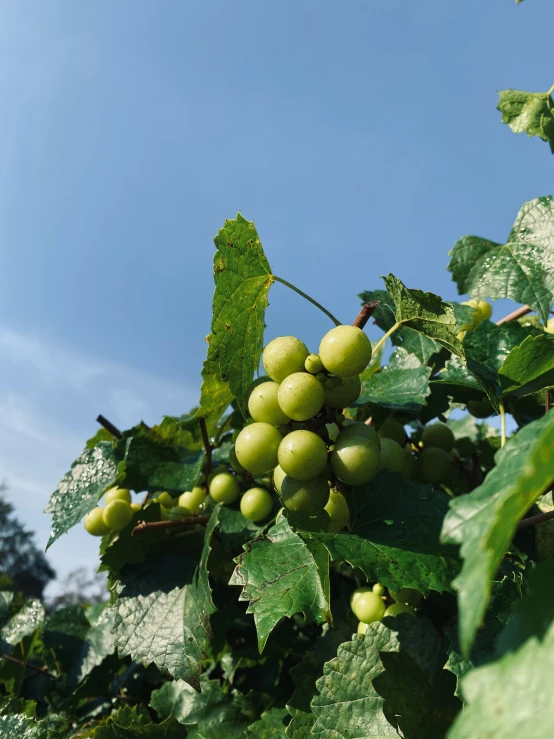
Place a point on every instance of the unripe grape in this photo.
(256, 447)
(392, 455)
(283, 356)
(234, 462)
(256, 504)
(263, 405)
(313, 364)
(480, 408)
(136, 507)
(355, 461)
(117, 494)
(337, 508)
(408, 596)
(344, 394)
(279, 475)
(368, 606)
(393, 429)
(302, 455)
(164, 499)
(193, 501)
(345, 351)
(362, 628)
(409, 466)
(305, 496)
(301, 396)
(434, 465)
(438, 435)
(483, 310)
(378, 589)
(332, 382)
(396, 608)
(550, 326)
(217, 471)
(117, 514)
(352, 429)
(177, 512)
(224, 488)
(94, 522)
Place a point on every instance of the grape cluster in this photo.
(435, 460)
(369, 604)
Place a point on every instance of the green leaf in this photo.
(101, 435)
(242, 280)
(236, 530)
(80, 490)
(520, 269)
(529, 367)
(464, 382)
(394, 535)
(154, 461)
(215, 395)
(21, 624)
(491, 344)
(135, 722)
(270, 725)
(425, 313)
(484, 522)
(280, 576)
(402, 385)
(528, 112)
(510, 698)
(162, 612)
(20, 726)
(128, 549)
(183, 431)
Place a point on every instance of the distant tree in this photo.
(20, 559)
(81, 587)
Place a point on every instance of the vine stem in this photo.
(527, 523)
(108, 425)
(383, 338)
(502, 423)
(143, 527)
(523, 311)
(551, 90)
(307, 297)
(38, 670)
(365, 314)
(207, 450)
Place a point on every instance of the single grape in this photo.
(344, 394)
(283, 356)
(358, 592)
(136, 507)
(117, 494)
(305, 496)
(396, 608)
(355, 461)
(393, 429)
(480, 408)
(345, 351)
(332, 382)
(378, 589)
(263, 405)
(392, 455)
(256, 447)
(217, 471)
(301, 396)
(177, 512)
(164, 499)
(193, 501)
(409, 466)
(434, 465)
(368, 606)
(302, 455)
(279, 475)
(313, 364)
(224, 488)
(337, 508)
(256, 504)
(550, 326)
(117, 514)
(408, 596)
(438, 435)
(234, 462)
(352, 428)
(483, 310)
(94, 522)
(362, 628)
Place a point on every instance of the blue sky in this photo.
(361, 137)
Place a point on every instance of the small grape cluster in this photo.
(369, 604)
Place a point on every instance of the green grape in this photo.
(177, 512)
(164, 499)
(301, 396)
(94, 522)
(279, 475)
(193, 501)
(378, 589)
(483, 310)
(256, 447)
(358, 592)
(305, 496)
(438, 435)
(332, 382)
(217, 471)
(283, 356)
(117, 514)
(396, 608)
(344, 394)
(345, 351)
(367, 606)
(393, 429)
(234, 462)
(355, 461)
(224, 488)
(256, 504)
(337, 508)
(136, 507)
(408, 596)
(313, 364)
(550, 326)
(434, 465)
(264, 406)
(302, 455)
(392, 455)
(362, 628)
(480, 408)
(117, 494)
(352, 429)
(409, 466)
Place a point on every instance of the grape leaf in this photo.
(528, 112)
(129, 549)
(520, 269)
(135, 722)
(20, 726)
(215, 395)
(402, 385)
(242, 280)
(511, 697)
(21, 624)
(162, 612)
(464, 382)
(490, 344)
(394, 535)
(269, 726)
(529, 367)
(484, 521)
(281, 576)
(81, 488)
(182, 431)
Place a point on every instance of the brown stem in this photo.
(38, 670)
(527, 523)
(144, 528)
(523, 311)
(207, 451)
(109, 427)
(365, 314)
